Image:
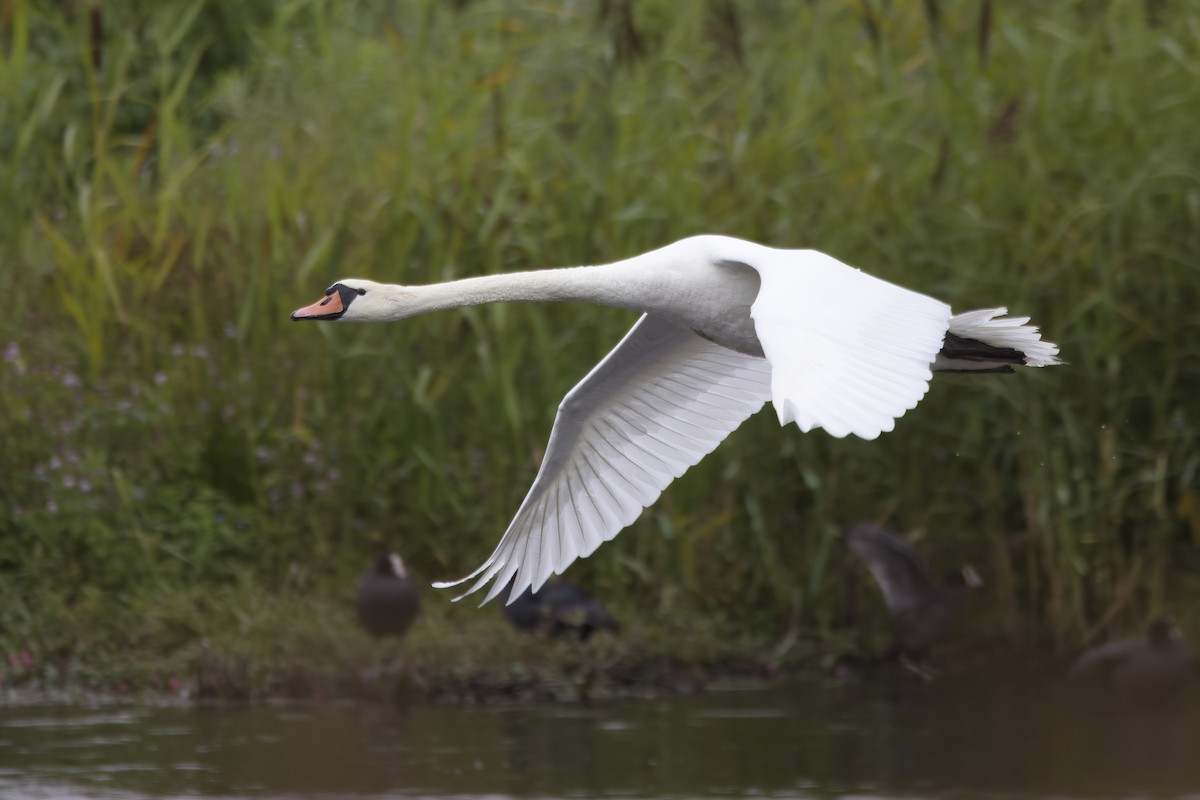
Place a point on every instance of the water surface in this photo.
(1013, 737)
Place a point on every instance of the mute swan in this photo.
(923, 608)
(387, 601)
(726, 325)
(1146, 669)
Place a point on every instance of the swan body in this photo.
(726, 326)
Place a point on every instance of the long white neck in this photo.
(622, 285)
(691, 280)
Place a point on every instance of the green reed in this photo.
(164, 211)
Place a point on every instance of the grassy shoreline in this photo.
(305, 649)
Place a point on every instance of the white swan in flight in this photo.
(726, 325)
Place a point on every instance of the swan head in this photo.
(348, 300)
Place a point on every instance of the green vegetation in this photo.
(175, 451)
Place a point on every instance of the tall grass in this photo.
(164, 425)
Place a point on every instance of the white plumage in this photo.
(656, 405)
(727, 325)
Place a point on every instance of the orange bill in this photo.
(328, 307)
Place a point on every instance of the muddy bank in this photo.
(486, 665)
(532, 671)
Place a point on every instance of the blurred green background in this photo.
(183, 463)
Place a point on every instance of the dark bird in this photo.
(387, 601)
(559, 608)
(851, 666)
(1145, 669)
(923, 610)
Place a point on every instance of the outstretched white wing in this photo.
(849, 353)
(658, 403)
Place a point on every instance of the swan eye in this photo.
(361, 292)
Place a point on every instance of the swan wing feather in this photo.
(849, 352)
(657, 404)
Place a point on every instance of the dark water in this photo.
(1018, 737)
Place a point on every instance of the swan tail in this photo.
(987, 341)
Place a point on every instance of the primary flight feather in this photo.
(726, 326)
